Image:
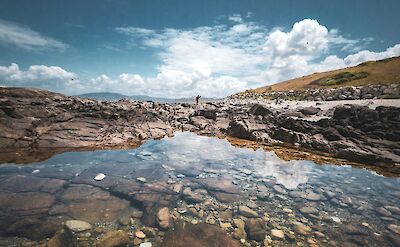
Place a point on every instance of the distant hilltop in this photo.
(117, 96)
(382, 72)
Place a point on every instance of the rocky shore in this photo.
(368, 133)
(391, 91)
(135, 198)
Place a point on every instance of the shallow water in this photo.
(344, 206)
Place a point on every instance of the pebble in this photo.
(329, 194)
(136, 213)
(384, 212)
(394, 228)
(287, 210)
(78, 225)
(247, 212)
(308, 210)
(393, 209)
(279, 189)
(225, 225)
(365, 224)
(100, 177)
(140, 234)
(277, 234)
(163, 218)
(302, 229)
(146, 244)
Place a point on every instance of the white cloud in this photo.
(365, 55)
(50, 77)
(220, 60)
(23, 37)
(236, 18)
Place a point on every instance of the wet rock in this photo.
(62, 239)
(383, 212)
(91, 204)
(140, 234)
(354, 230)
(113, 239)
(392, 209)
(308, 210)
(136, 213)
(277, 234)
(124, 221)
(78, 225)
(279, 189)
(255, 229)
(226, 197)
(394, 228)
(25, 203)
(225, 225)
(199, 235)
(220, 184)
(239, 232)
(163, 218)
(22, 183)
(302, 229)
(247, 212)
(394, 239)
(191, 196)
(329, 194)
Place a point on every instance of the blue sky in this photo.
(183, 48)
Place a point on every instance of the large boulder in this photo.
(261, 110)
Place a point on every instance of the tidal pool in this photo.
(201, 180)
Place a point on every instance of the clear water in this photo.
(36, 199)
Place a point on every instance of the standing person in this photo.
(197, 99)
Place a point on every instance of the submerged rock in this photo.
(255, 229)
(113, 239)
(308, 210)
(163, 218)
(302, 229)
(183, 234)
(78, 225)
(394, 228)
(192, 196)
(247, 212)
(277, 234)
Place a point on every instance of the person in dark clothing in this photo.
(197, 99)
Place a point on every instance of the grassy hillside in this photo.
(385, 71)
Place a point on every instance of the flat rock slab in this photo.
(91, 204)
(184, 234)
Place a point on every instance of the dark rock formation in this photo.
(33, 119)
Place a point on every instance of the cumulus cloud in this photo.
(50, 77)
(223, 59)
(226, 58)
(23, 37)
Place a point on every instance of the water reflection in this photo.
(156, 174)
(288, 173)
